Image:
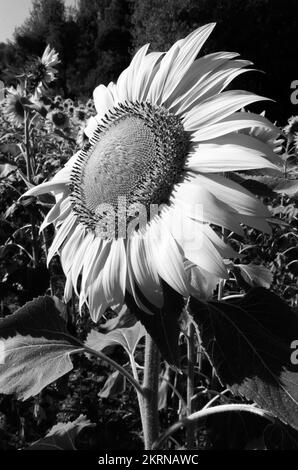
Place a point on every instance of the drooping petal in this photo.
(232, 194)
(144, 270)
(78, 260)
(64, 230)
(114, 273)
(200, 250)
(167, 258)
(48, 187)
(198, 203)
(70, 247)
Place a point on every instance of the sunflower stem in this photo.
(139, 395)
(150, 388)
(29, 169)
(190, 429)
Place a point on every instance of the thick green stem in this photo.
(190, 430)
(150, 388)
(139, 395)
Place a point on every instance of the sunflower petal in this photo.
(235, 122)
(232, 194)
(103, 101)
(66, 227)
(168, 259)
(144, 271)
(217, 108)
(114, 273)
(189, 49)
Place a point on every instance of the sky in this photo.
(13, 13)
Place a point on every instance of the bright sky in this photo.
(13, 13)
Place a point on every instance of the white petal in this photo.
(235, 122)
(167, 258)
(212, 158)
(65, 229)
(214, 82)
(67, 289)
(200, 71)
(200, 250)
(70, 247)
(189, 49)
(91, 126)
(48, 187)
(232, 194)
(96, 298)
(200, 204)
(134, 76)
(103, 100)
(78, 259)
(217, 108)
(144, 270)
(114, 273)
(158, 82)
(65, 172)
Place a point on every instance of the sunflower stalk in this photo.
(150, 398)
(190, 430)
(30, 174)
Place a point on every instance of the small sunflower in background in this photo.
(162, 144)
(80, 115)
(43, 71)
(14, 104)
(291, 129)
(58, 118)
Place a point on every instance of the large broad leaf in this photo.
(128, 338)
(37, 348)
(163, 325)
(250, 344)
(62, 436)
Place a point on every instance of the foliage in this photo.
(237, 330)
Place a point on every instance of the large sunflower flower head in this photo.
(140, 205)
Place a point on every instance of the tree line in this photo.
(97, 39)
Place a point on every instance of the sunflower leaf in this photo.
(128, 338)
(250, 344)
(62, 436)
(163, 325)
(114, 385)
(36, 348)
(255, 275)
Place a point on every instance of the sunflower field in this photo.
(181, 334)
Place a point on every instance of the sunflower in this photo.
(142, 203)
(14, 106)
(43, 70)
(58, 118)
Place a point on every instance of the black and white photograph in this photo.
(148, 230)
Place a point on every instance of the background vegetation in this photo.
(96, 40)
